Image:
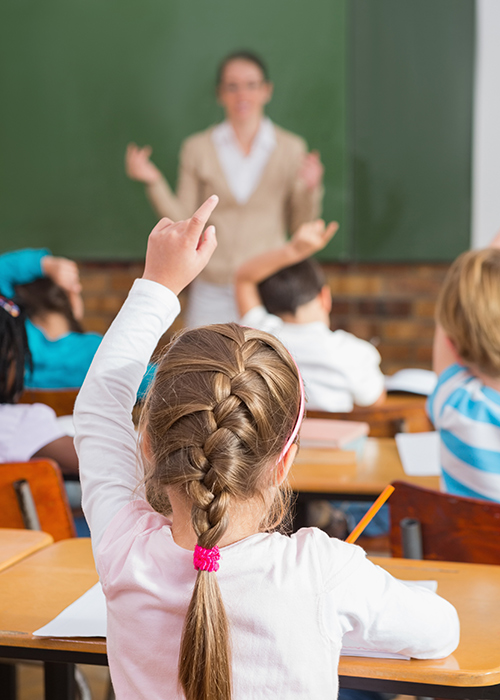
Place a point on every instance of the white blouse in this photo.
(243, 172)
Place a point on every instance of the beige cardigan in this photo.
(280, 203)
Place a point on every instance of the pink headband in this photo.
(298, 423)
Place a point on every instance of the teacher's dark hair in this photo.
(242, 55)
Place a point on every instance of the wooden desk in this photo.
(32, 593)
(473, 671)
(62, 401)
(18, 544)
(37, 589)
(337, 473)
(400, 413)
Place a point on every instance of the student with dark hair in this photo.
(291, 287)
(284, 293)
(28, 430)
(267, 182)
(48, 289)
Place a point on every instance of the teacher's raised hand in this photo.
(311, 170)
(139, 167)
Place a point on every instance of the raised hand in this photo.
(312, 237)
(139, 167)
(63, 272)
(178, 252)
(311, 170)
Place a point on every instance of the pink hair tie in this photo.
(206, 559)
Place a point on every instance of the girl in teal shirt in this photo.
(51, 293)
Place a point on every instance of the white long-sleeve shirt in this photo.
(291, 601)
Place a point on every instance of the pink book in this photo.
(340, 434)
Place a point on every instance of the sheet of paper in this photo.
(416, 381)
(430, 585)
(86, 617)
(419, 453)
(372, 654)
(66, 424)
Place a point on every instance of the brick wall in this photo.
(391, 305)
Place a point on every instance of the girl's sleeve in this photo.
(375, 611)
(105, 438)
(20, 267)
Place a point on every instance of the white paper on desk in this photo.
(430, 585)
(419, 453)
(66, 424)
(372, 654)
(86, 617)
(416, 381)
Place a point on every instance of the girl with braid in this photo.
(206, 600)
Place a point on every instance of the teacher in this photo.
(266, 181)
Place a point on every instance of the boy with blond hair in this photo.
(465, 405)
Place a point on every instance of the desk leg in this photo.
(59, 681)
(8, 681)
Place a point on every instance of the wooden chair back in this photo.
(453, 528)
(47, 488)
(400, 413)
(61, 400)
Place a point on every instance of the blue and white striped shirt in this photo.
(467, 415)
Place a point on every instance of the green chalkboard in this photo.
(410, 125)
(81, 78)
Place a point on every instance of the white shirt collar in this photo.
(223, 135)
(243, 172)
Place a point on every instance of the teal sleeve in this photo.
(147, 380)
(20, 267)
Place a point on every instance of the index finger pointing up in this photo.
(200, 217)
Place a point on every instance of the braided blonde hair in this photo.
(224, 401)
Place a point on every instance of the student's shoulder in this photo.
(452, 383)
(352, 345)
(134, 520)
(259, 318)
(313, 550)
(288, 138)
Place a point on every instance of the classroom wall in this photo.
(381, 87)
(410, 128)
(391, 305)
(79, 80)
(486, 161)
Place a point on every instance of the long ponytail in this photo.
(205, 659)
